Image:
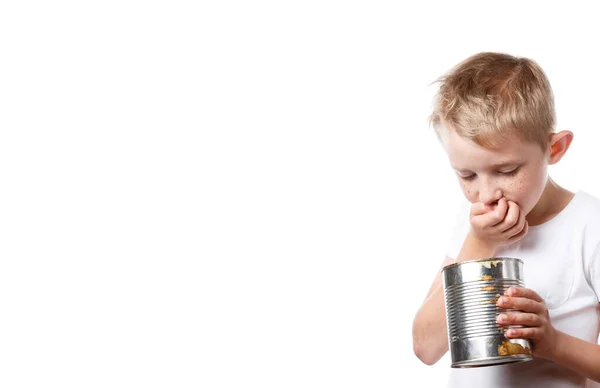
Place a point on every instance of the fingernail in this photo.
(501, 318)
(510, 332)
(503, 300)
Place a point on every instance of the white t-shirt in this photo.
(562, 264)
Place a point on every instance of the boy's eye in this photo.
(511, 172)
(468, 177)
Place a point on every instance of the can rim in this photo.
(489, 361)
(501, 258)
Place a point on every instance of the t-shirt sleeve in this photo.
(594, 271)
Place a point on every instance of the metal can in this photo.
(471, 290)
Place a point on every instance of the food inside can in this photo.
(508, 348)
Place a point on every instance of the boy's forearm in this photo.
(430, 335)
(474, 249)
(578, 355)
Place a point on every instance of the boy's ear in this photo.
(558, 146)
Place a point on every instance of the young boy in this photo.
(494, 115)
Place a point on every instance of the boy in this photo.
(494, 115)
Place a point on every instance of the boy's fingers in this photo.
(518, 227)
(527, 332)
(524, 293)
(525, 319)
(494, 216)
(512, 216)
(489, 219)
(501, 209)
(478, 208)
(520, 234)
(521, 303)
(483, 215)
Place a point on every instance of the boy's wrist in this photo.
(560, 344)
(474, 248)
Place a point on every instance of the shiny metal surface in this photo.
(471, 290)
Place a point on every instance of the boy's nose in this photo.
(489, 197)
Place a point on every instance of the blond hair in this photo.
(489, 96)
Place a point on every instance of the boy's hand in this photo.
(533, 314)
(498, 225)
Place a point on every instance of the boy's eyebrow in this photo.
(492, 167)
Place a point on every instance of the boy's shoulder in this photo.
(586, 206)
(584, 212)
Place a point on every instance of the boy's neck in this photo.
(553, 200)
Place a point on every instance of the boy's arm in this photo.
(430, 334)
(581, 356)
(491, 227)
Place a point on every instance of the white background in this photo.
(235, 194)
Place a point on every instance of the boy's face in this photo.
(517, 170)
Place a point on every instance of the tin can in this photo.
(471, 290)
